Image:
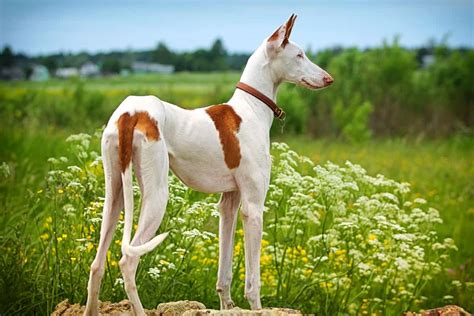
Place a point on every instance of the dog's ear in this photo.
(280, 38)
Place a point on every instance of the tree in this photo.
(111, 66)
(7, 59)
(163, 55)
(218, 55)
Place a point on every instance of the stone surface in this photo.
(180, 308)
(448, 310)
(237, 312)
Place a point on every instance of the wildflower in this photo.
(119, 281)
(326, 284)
(402, 263)
(44, 236)
(90, 246)
(60, 191)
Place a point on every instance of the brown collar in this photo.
(277, 111)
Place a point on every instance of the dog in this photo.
(221, 148)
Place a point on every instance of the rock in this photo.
(238, 312)
(448, 310)
(67, 309)
(178, 308)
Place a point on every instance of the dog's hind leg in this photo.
(112, 207)
(228, 206)
(151, 167)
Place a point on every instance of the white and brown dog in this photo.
(221, 148)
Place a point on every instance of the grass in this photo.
(36, 119)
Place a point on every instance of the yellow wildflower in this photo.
(60, 191)
(45, 236)
(237, 248)
(90, 246)
(325, 284)
(265, 259)
(372, 237)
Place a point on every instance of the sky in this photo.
(49, 26)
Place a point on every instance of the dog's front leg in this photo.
(228, 206)
(252, 217)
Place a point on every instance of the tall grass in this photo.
(43, 215)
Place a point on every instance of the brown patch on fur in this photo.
(227, 123)
(126, 125)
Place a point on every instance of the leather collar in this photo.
(277, 111)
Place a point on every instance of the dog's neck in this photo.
(257, 74)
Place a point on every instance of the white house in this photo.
(67, 72)
(142, 67)
(89, 69)
(39, 73)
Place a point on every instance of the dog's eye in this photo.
(300, 55)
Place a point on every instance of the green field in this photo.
(40, 240)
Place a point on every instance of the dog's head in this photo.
(289, 63)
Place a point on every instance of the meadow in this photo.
(339, 239)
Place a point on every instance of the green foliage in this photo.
(111, 66)
(407, 99)
(336, 240)
(353, 120)
(37, 117)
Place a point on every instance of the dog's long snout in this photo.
(327, 79)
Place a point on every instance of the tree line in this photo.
(214, 58)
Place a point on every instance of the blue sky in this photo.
(45, 26)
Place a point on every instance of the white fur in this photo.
(189, 144)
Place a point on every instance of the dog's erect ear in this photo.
(281, 36)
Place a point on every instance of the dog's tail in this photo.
(126, 128)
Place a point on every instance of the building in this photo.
(142, 67)
(11, 73)
(89, 69)
(39, 73)
(67, 72)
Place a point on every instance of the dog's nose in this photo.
(327, 79)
